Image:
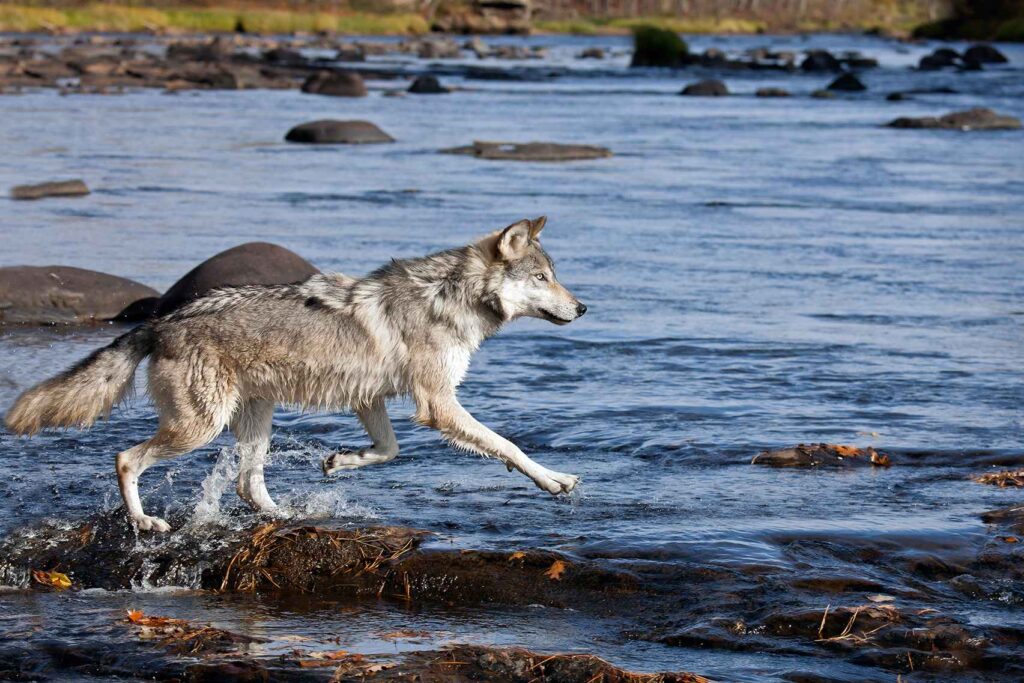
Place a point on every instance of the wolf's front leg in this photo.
(444, 413)
(385, 445)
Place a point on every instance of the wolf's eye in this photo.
(541, 276)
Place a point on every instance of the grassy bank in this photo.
(104, 17)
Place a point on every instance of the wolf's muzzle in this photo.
(581, 308)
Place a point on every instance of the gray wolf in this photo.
(331, 342)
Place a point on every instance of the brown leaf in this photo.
(517, 555)
(1009, 539)
(556, 570)
(52, 579)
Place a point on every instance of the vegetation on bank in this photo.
(979, 20)
(121, 18)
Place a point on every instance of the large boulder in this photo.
(654, 46)
(333, 132)
(428, 85)
(940, 59)
(63, 295)
(252, 263)
(530, 151)
(57, 188)
(335, 83)
(847, 83)
(707, 88)
(984, 54)
(820, 60)
(978, 118)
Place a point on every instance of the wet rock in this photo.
(62, 295)
(283, 55)
(214, 50)
(772, 92)
(333, 132)
(350, 53)
(823, 95)
(1012, 516)
(428, 85)
(820, 60)
(592, 53)
(530, 151)
(433, 48)
(56, 188)
(939, 59)
(896, 97)
(1002, 479)
(984, 54)
(335, 83)
(973, 119)
(847, 83)
(252, 263)
(821, 455)
(706, 88)
(658, 47)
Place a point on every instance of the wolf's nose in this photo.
(581, 308)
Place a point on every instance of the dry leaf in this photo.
(1009, 539)
(517, 555)
(408, 633)
(880, 459)
(52, 579)
(556, 570)
(337, 654)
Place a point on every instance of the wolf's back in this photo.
(84, 392)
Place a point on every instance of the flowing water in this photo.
(760, 272)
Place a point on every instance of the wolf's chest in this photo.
(456, 364)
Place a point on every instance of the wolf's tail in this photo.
(84, 392)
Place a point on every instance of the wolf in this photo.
(332, 342)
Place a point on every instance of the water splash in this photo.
(224, 473)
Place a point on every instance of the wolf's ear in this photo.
(536, 225)
(513, 240)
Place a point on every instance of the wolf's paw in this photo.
(347, 460)
(557, 483)
(147, 523)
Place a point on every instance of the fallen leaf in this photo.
(880, 459)
(556, 570)
(407, 634)
(1009, 539)
(517, 555)
(52, 579)
(134, 615)
(337, 654)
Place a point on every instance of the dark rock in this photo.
(941, 58)
(350, 53)
(847, 83)
(978, 118)
(984, 54)
(283, 55)
(592, 53)
(896, 97)
(821, 454)
(57, 188)
(252, 263)
(333, 132)
(654, 46)
(428, 85)
(772, 92)
(52, 295)
(707, 88)
(335, 83)
(530, 151)
(212, 51)
(820, 60)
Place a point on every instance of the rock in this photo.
(772, 92)
(847, 83)
(252, 263)
(55, 295)
(334, 132)
(658, 47)
(212, 51)
(820, 60)
(592, 53)
(530, 151)
(57, 188)
(707, 88)
(896, 97)
(941, 58)
(283, 55)
(428, 85)
(821, 454)
(477, 46)
(350, 53)
(483, 16)
(1007, 478)
(335, 83)
(978, 118)
(823, 95)
(984, 54)
(442, 48)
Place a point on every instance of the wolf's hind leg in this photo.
(385, 445)
(165, 444)
(252, 426)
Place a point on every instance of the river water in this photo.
(760, 273)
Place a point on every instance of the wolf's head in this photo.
(525, 284)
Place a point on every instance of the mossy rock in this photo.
(654, 46)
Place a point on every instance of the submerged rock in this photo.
(710, 87)
(428, 85)
(56, 188)
(847, 83)
(939, 59)
(772, 92)
(820, 60)
(821, 454)
(335, 83)
(252, 263)
(530, 151)
(334, 132)
(978, 118)
(61, 295)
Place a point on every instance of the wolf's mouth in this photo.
(552, 318)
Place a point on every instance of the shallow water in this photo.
(760, 272)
